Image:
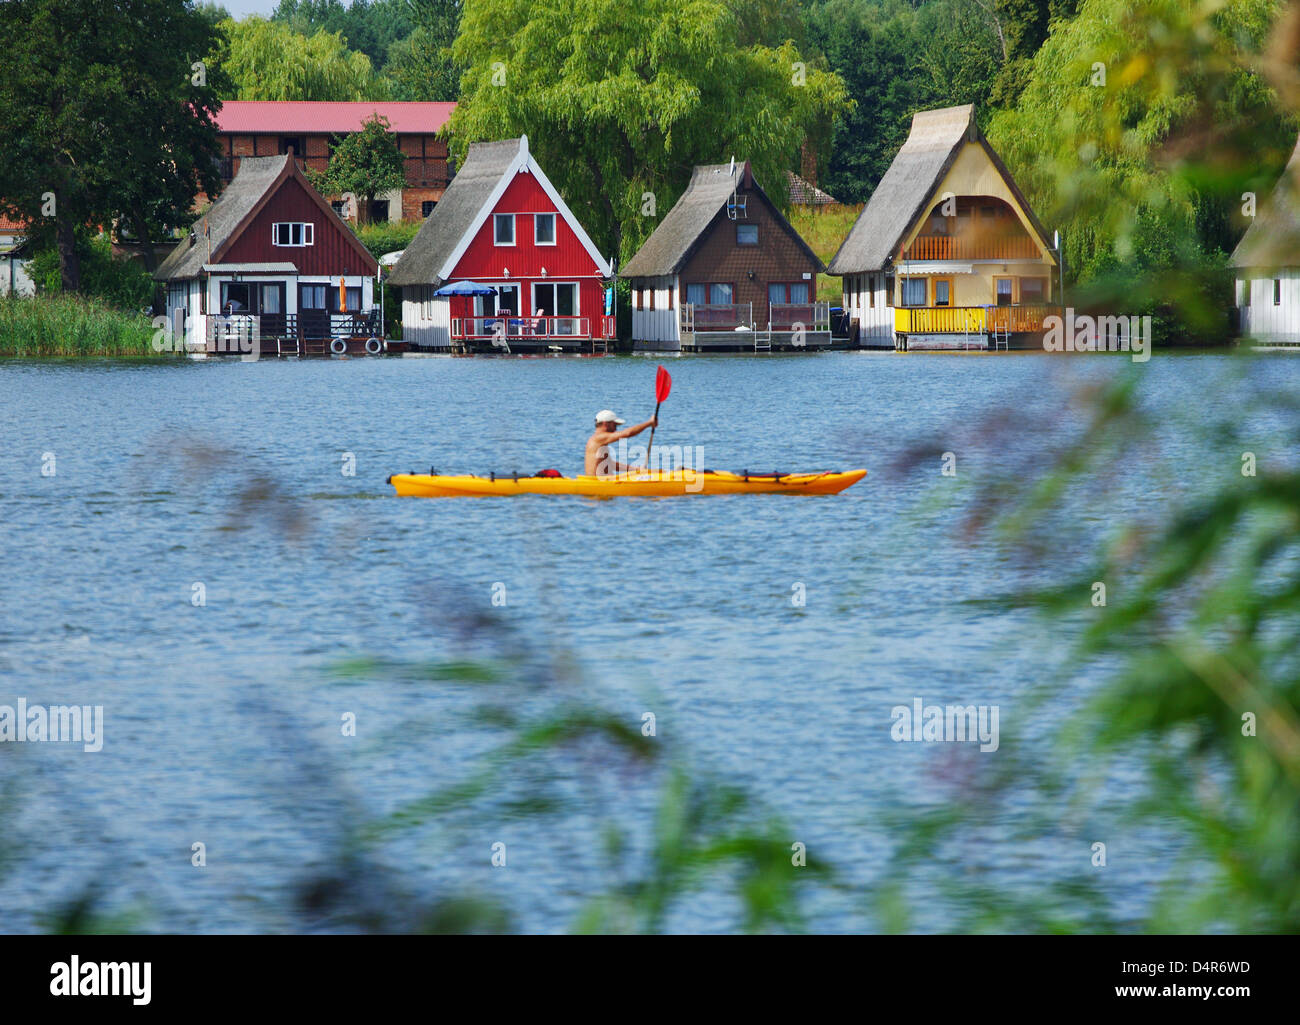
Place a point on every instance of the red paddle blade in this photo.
(663, 385)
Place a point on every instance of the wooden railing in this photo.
(814, 316)
(513, 326)
(956, 320)
(716, 317)
(962, 247)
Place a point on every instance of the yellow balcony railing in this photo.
(956, 320)
(938, 320)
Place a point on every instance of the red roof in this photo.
(309, 117)
(10, 224)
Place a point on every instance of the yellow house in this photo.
(948, 254)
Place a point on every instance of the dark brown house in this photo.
(725, 271)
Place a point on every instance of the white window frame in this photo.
(577, 297)
(496, 234)
(306, 234)
(554, 232)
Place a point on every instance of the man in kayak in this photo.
(599, 461)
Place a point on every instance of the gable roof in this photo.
(904, 194)
(471, 197)
(258, 180)
(805, 193)
(314, 117)
(684, 227)
(1272, 240)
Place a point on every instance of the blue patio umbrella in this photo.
(465, 288)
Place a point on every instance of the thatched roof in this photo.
(257, 181)
(685, 226)
(805, 193)
(1273, 239)
(906, 192)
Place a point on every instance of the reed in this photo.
(63, 325)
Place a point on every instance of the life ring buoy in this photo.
(374, 346)
(338, 346)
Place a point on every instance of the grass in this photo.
(824, 229)
(68, 325)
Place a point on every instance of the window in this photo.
(914, 292)
(293, 233)
(503, 229)
(294, 144)
(311, 297)
(746, 234)
(1033, 290)
(558, 300)
(379, 210)
(332, 299)
(544, 229)
(340, 207)
(1277, 291)
(720, 294)
(427, 206)
(871, 290)
(650, 294)
(506, 300)
(796, 293)
(1245, 292)
(942, 292)
(697, 295)
(1002, 290)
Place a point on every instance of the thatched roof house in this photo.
(948, 230)
(1267, 264)
(724, 268)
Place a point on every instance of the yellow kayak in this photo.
(653, 484)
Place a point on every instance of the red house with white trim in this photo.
(502, 224)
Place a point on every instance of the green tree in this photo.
(896, 59)
(368, 26)
(620, 100)
(101, 123)
(421, 66)
(1125, 136)
(268, 60)
(365, 163)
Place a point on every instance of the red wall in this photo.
(566, 259)
(331, 254)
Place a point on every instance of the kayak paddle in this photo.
(663, 385)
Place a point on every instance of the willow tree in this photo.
(619, 100)
(268, 60)
(1140, 129)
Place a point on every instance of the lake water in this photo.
(196, 559)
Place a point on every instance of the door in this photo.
(313, 311)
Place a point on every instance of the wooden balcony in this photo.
(964, 247)
(956, 320)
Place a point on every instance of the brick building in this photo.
(257, 128)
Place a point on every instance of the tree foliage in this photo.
(366, 26)
(364, 163)
(1139, 130)
(269, 60)
(620, 100)
(101, 123)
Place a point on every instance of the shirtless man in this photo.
(599, 462)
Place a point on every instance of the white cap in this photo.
(606, 416)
